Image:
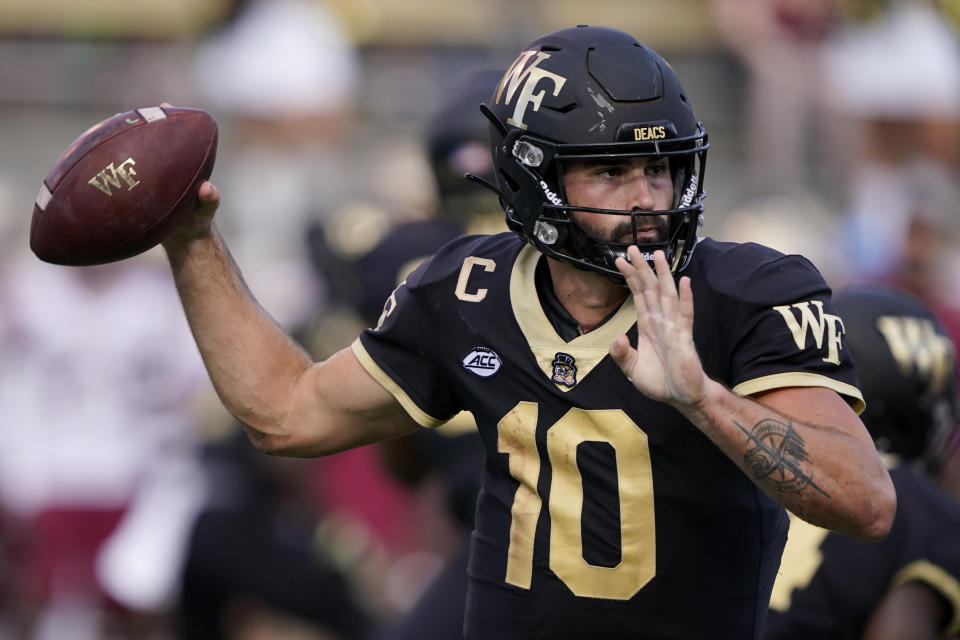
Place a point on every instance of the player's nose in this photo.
(638, 193)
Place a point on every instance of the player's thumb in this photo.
(623, 354)
(208, 196)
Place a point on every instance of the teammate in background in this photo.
(456, 144)
(637, 463)
(907, 585)
(254, 562)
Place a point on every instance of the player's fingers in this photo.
(685, 305)
(647, 279)
(208, 199)
(208, 191)
(628, 268)
(634, 282)
(623, 354)
(629, 274)
(665, 284)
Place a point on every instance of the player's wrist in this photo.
(186, 240)
(705, 403)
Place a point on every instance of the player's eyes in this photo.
(657, 169)
(609, 171)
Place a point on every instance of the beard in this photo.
(623, 231)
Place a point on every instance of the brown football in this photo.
(123, 186)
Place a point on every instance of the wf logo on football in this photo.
(112, 176)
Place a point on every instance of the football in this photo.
(123, 186)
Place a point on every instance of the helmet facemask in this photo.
(554, 229)
(586, 93)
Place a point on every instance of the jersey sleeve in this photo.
(398, 351)
(946, 585)
(788, 335)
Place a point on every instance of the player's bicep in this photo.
(816, 407)
(337, 405)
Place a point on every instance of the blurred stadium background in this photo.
(833, 127)
(70, 64)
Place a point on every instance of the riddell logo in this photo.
(551, 196)
(690, 192)
(482, 362)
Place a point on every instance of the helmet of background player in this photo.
(588, 92)
(907, 370)
(457, 143)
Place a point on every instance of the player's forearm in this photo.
(252, 362)
(820, 472)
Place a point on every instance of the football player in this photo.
(637, 463)
(907, 585)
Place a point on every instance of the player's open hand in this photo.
(664, 365)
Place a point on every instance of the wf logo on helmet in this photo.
(530, 75)
(916, 346)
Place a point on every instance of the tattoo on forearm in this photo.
(778, 457)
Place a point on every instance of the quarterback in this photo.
(649, 400)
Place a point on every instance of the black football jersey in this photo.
(837, 582)
(604, 514)
(403, 248)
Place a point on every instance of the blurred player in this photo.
(456, 144)
(907, 585)
(637, 465)
(100, 454)
(455, 138)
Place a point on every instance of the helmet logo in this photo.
(649, 133)
(530, 75)
(917, 347)
(551, 196)
(690, 192)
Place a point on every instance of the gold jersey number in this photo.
(517, 438)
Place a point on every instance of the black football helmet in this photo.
(906, 365)
(592, 92)
(456, 142)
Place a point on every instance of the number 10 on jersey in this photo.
(517, 438)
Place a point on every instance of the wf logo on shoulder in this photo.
(816, 322)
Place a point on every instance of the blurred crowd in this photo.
(132, 507)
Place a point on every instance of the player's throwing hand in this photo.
(665, 365)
